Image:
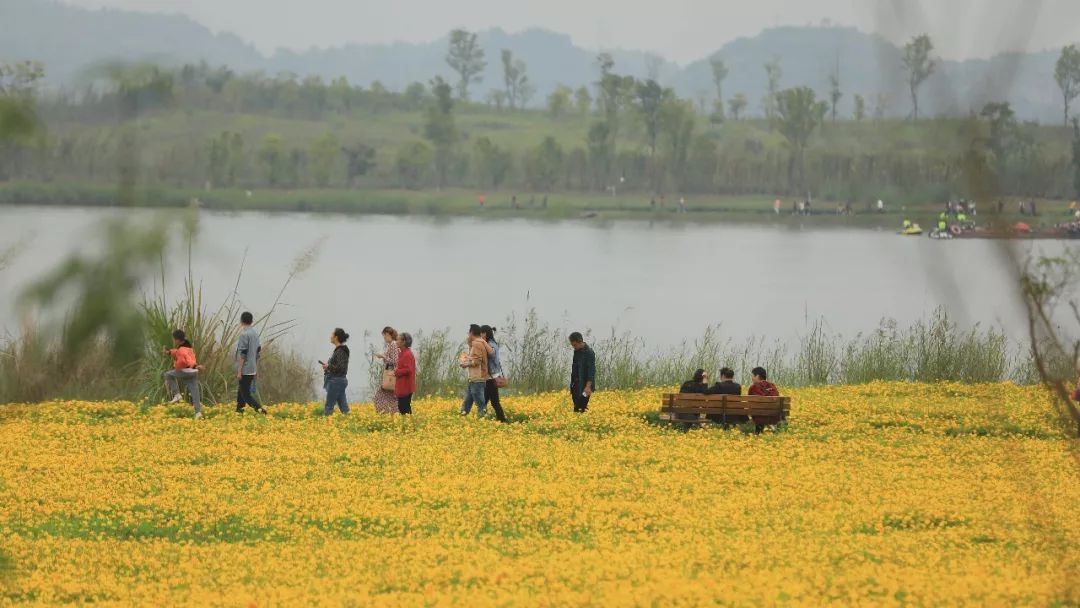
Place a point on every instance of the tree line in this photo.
(632, 134)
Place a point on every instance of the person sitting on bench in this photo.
(698, 386)
(727, 384)
(761, 386)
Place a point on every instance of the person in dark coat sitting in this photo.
(699, 385)
(727, 384)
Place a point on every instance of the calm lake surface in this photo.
(662, 282)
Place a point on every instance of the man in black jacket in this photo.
(727, 384)
(582, 373)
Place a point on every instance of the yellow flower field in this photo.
(881, 494)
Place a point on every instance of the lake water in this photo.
(663, 282)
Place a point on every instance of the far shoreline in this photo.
(755, 210)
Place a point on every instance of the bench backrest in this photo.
(725, 404)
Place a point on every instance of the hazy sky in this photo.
(681, 30)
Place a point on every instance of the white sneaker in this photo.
(176, 399)
(198, 415)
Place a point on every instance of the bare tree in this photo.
(773, 72)
(719, 75)
(919, 67)
(834, 88)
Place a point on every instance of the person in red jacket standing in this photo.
(184, 368)
(761, 386)
(406, 374)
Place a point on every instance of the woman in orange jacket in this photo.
(184, 368)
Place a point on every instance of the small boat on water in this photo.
(912, 230)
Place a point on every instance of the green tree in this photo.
(582, 100)
(1002, 121)
(608, 88)
(467, 59)
(1067, 75)
(237, 158)
(272, 158)
(919, 67)
(702, 165)
(492, 163)
(719, 74)
(544, 164)
(416, 95)
(798, 113)
(440, 129)
(601, 152)
(137, 88)
(650, 96)
(559, 101)
(359, 161)
(324, 159)
(339, 95)
(773, 73)
(737, 104)
(412, 163)
(217, 159)
(860, 108)
(677, 124)
(18, 90)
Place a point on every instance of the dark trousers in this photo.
(404, 404)
(581, 402)
(244, 396)
(491, 395)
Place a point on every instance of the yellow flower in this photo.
(887, 493)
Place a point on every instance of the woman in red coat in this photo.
(406, 374)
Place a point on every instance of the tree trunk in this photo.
(915, 104)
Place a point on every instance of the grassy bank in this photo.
(891, 493)
(748, 209)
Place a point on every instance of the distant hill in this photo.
(68, 39)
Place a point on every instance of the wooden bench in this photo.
(724, 409)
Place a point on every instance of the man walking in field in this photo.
(247, 356)
(582, 373)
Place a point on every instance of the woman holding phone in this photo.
(335, 372)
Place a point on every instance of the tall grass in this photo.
(535, 353)
(37, 365)
(537, 357)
